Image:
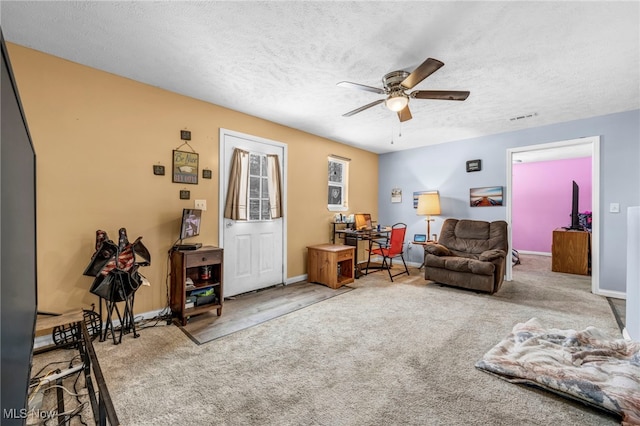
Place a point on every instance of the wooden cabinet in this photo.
(330, 264)
(203, 268)
(571, 252)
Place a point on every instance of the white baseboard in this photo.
(297, 279)
(613, 294)
(47, 340)
(539, 253)
(42, 341)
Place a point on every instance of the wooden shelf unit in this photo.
(330, 264)
(571, 252)
(188, 264)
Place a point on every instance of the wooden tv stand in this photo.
(189, 264)
(571, 252)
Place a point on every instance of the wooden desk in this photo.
(571, 252)
(330, 264)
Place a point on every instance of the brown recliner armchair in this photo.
(470, 254)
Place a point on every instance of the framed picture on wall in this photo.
(396, 195)
(185, 167)
(416, 195)
(488, 196)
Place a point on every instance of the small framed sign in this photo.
(474, 165)
(206, 174)
(158, 170)
(184, 194)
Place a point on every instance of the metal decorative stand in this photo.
(115, 268)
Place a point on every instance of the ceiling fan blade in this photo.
(447, 95)
(351, 85)
(404, 114)
(362, 108)
(427, 68)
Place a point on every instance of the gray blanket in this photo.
(585, 365)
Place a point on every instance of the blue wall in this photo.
(443, 167)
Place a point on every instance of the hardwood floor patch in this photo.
(250, 309)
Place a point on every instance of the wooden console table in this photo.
(204, 268)
(571, 252)
(330, 264)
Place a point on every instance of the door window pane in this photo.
(258, 188)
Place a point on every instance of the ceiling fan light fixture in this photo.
(397, 101)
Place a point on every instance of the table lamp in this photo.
(429, 204)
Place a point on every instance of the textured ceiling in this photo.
(552, 61)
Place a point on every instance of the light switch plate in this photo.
(201, 205)
(614, 208)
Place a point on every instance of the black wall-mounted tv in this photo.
(575, 218)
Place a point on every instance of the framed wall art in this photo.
(416, 195)
(396, 195)
(158, 170)
(185, 167)
(488, 196)
(474, 165)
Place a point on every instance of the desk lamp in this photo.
(429, 204)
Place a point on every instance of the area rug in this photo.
(250, 309)
(586, 365)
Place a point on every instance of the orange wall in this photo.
(97, 136)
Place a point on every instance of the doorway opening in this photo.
(592, 145)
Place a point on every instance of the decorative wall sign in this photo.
(185, 135)
(158, 170)
(474, 165)
(396, 195)
(485, 197)
(184, 194)
(206, 174)
(185, 167)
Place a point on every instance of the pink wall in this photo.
(541, 199)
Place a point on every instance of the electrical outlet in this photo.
(201, 205)
(614, 208)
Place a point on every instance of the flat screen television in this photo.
(189, 228)
(575, 218)
(18, 292)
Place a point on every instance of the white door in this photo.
(254, 249)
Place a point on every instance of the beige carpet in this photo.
(388, 353)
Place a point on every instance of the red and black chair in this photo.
(389, 248)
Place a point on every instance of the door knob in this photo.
(229, 224)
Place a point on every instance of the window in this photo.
(258, 188)
(338, 184)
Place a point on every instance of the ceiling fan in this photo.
(397, 82)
